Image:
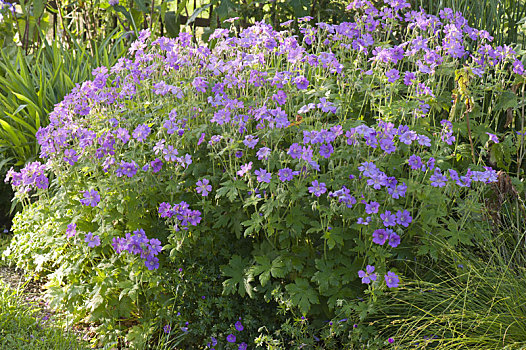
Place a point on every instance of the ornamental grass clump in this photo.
(307, 165)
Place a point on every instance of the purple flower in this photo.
(214, 341)
(518, 67)
(170, 153)
(215, 139)
(403, 218)
(394, 239)
(159, 146)
(437, 179)
(199, 84)
(203, 187)
(377, 180)
(141, 132)
(493, 138)
(391, 279)
(424, 140)
(91, 198)
(388, 218)
(152, 263)
(380, 236)
(263, 175)
(398, 191)
(285, 174)
(361, 221)
(306, 108)
(250, 141)
(326, 150)
(301, 82)
(127, 168)
(184, 161)
(368, 169)
(294, 151)
(156, 165)
(280, 97)
(326, 106)
(231, 338)
(409, 78)
(408, 137)
(415, 162)
(165, 210)
(239, 326)
(123, 135)
(368, 275)
(392, 75)
(167, 328)
(263, 153)
(71, 230)
(431, 163)
(242, 346)
(372, 208)
(317, 188)
(119, 244)
(93, 241)
(155, 247)
(113, 2)
(201, 138)
(244, 169)
(70, 156)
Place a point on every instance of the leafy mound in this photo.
(306, 168)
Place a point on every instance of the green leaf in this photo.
(506, 100)
(253, 225)
(228, 189)
(262, 269)
(198, 11)
(129, 17)
(14, 135)
(95, 301)
(300, 7)
(142, 6)
(236, 269)
(225, 9)
(279, 269)
(265, 268)
(172, 24)
(38, 7)
(302, 295)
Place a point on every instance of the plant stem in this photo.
(466, 115)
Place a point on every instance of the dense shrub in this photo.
(304, 169)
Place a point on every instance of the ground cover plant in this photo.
(21, 327)
(267, 171)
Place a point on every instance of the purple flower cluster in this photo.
(385, 136)
(181, 214)
(368, 276)
(267, 137)
(71, 230)
(138, 244)
(31, 176)
(446, 134)
(344, 196)
(378, 179)
(439, 179)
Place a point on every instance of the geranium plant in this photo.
(313, 163)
